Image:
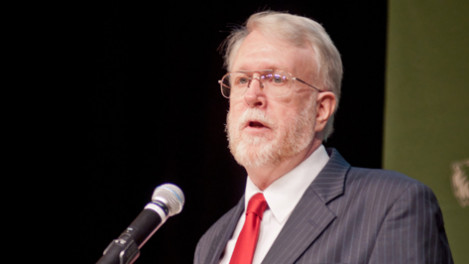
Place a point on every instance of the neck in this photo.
(264, 176)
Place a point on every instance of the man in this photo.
(283, 83)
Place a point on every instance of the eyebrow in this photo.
(261, 70)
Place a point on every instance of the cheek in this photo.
(284, 117)
(292, 118)
(237, 106)
(234, 114)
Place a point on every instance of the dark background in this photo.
(149, 111)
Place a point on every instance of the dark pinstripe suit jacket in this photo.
(349, 215)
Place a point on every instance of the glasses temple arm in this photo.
(303, 82)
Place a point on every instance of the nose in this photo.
(255, 96)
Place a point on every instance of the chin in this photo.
(253, 153)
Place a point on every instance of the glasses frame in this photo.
(262, 84)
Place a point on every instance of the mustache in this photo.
(255, 115)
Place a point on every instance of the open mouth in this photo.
(255, 124)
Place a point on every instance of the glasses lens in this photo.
(225, 86)
(234, 83)
(277, 82)
(278, 79)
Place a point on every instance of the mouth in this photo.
(255, 124)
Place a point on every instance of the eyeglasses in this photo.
(274, 82)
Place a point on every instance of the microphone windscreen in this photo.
(171, 195)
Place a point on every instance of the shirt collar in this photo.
(283, 194)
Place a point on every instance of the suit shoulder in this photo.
(381, 174)
(380, 177)
(387, 189)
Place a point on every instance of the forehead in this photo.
(258, 51)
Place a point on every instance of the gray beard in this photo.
(252, 151)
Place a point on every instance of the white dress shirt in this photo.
(282, 196)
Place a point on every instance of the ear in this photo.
(325, 108)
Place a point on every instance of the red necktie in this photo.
(247, 240)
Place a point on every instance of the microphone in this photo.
(167, 200)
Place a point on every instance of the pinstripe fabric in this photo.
(350, 215)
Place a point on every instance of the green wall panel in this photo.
(426, 133)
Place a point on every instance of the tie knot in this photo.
(257, 205)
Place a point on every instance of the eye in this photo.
(241, 80)
(278, 79)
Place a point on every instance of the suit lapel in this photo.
(311, 216)
(218, 244)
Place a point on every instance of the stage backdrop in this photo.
(427, 105)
